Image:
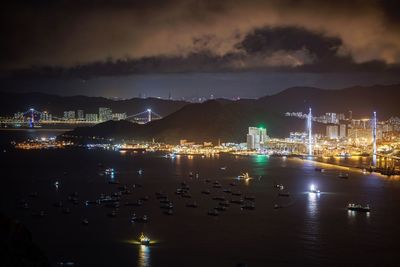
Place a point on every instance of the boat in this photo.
(244, 176)
(314, 190)
(165, 201)
(248, 206)
(109, 170)
(223, 168)
(167, 206)
(168, 212)
(192, 205)
(343, 175)
(279, 186)
(213, 212)
(284, 194)
(85, 222)
(237, 193)
(358, 207)
(276, 206)
(140, 171)
(252, 198)
(179, 191)
(236, 201)
(206, 192)
(220, 208)
(142, 219)
(144, 240)
(224, 203)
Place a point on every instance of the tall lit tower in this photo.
(32, 117)
(309, 126)
(374, 148)
(149, 115)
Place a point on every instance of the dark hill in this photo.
(12, 102)
(385, 99)
(228, 120)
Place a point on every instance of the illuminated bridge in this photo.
(32, 118)
(144, 117)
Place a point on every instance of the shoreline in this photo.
(36, 129)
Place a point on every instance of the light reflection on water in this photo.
(144, 256)
(312, 222)
(313, 204)
(260, 161)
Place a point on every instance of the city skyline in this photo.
(218, 133)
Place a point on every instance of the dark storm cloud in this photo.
(102, 37)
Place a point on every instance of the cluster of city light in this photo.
(43, 143)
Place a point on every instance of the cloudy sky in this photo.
(196, 47)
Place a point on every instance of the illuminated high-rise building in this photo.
(46, 116)
(250, 142)
(119, 116)
(69, 115)
(342, 131)
(332, 131)
(80, 114)
(92, 117)
(105, 114)
(256, 137)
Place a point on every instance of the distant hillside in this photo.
(12, 102)
(228, 120)
(385, 99)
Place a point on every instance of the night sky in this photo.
(197, 48)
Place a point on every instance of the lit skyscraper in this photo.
(80, 114)
(105, 114)
(332, 132)
(256, 137)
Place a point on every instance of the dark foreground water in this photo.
(309, 229)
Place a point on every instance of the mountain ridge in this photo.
(227, 121)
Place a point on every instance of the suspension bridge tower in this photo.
(309, 126)
(374, 148)
(149, 115)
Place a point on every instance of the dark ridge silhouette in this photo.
(227, 121)
(17, 248)
(12, 102)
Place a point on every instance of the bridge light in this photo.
(148, 110)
